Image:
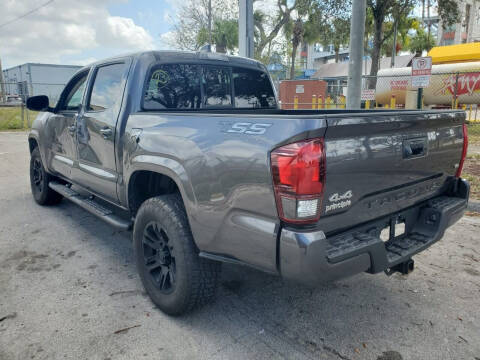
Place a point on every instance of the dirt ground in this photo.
(69, 290)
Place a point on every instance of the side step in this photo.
(91, 206)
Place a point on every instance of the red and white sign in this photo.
(368, 94)
(421, 71)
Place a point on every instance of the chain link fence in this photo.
(13, 96)
(452, 90)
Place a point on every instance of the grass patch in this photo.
(474, 134)
(474, 185)
(11, 118)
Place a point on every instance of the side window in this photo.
(218, 89)
(107, 87)
(253, 89)
(74, 97)
(173, 86)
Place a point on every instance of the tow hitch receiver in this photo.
(404, 268)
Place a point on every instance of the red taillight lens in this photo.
(464, 151)
(298, 178)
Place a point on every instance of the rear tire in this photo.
(174, 276)
(39, 180)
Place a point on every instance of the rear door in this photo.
(379, 163)
(97, 168)
(61, 127)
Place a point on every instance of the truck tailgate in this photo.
(381, 163)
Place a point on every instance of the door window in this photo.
(107, 88)
(75, 93)
(218, 89)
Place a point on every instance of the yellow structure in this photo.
(455, 53)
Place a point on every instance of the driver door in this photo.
(61, 127)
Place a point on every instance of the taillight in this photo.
(464, 151)
(298, 179)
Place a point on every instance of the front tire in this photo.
(39, 180)
(174, 276)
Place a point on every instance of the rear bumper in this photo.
(312, 258)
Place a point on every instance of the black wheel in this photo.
(39, 180)
(174, 276)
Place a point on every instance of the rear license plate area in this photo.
(393, 230)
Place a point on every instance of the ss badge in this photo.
(249, 128)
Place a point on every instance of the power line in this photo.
(26, 14)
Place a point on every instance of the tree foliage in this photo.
(224, 35)
(420, 42)
(381, 12)
(191, 23)
(336, 32)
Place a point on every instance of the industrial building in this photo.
(38, 79)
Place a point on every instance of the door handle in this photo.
(106, 132)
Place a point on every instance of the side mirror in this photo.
(38, 103)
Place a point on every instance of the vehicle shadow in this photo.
(262, 313)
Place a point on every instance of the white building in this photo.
(38, 79)
(465, 31)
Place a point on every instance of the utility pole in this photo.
(2, 83)
(429, 20)
(394, 49)
(357, 32)
(245, 28)
(210, 22)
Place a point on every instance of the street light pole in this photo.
(357, 31)
(245, 28)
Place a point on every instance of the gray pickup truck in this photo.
(192, 152)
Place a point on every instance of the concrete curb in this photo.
(473, 205)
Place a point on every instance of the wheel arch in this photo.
(151, 176)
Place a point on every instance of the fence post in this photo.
(455, 94)
(420, 98)
(392, 102)
(320, 102)
(470, 113)
(314, 102)
(23, 114)
(295, 102)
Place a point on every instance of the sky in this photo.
(82, 31)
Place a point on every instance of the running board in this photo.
(91, 206)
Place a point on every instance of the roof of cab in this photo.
(168, 55)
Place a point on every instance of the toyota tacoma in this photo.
(192, 152)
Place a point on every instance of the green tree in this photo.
(382, 11)
(224, 35)
(421, 41)
(191, 22)
(306, 23)
(336, 33)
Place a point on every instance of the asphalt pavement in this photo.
(69, 290)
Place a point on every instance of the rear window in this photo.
(252, 89)
(217, 85)
(173, 86)
(189, 87)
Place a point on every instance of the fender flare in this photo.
(164, 166)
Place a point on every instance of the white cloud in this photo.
(66, 28)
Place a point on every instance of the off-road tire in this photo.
(39, 180)
(195, 278)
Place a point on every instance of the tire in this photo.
(174, 276)
(39, 180)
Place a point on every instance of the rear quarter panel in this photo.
(224, 175)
